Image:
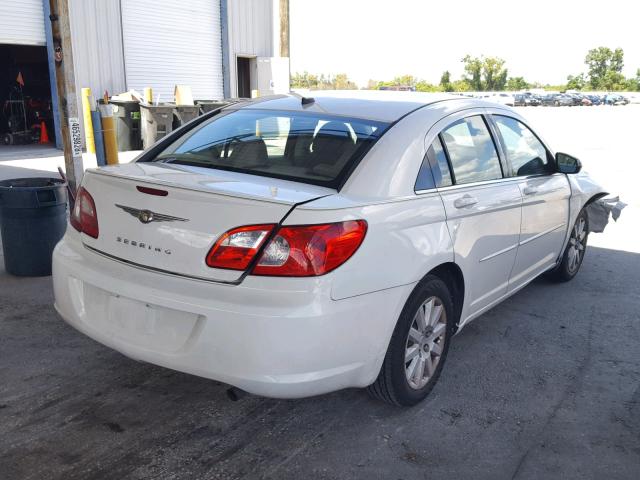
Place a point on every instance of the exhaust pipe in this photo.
(236, 394)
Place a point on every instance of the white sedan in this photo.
(294, 246)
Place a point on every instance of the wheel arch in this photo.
(451, 274)
(595, 197)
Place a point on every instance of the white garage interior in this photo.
(25, 87)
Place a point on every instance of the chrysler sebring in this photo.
(292, 246)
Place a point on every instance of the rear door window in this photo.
(527, 154)
(434, 171)
(439, 164)
(308, 147)
(471, 151)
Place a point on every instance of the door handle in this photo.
(465, 201)
(530, 190)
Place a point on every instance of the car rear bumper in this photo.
(276, 337)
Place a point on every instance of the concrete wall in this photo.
(251, 33)
(96, 38)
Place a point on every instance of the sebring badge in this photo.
(146, 246)
(147, 216)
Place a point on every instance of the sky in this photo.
(542, 40)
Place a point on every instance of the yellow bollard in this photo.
(148, 95)
(88, 125)
(109, 134)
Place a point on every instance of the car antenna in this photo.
(305, 100)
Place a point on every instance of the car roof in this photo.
(385, 106)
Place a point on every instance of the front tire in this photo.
(418, 347)
(574, 253)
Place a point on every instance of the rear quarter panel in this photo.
(405, 239)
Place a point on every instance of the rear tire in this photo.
(574, 252)
(418, 347)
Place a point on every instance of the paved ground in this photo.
(41, 160)
(18, 152)
(546, 385)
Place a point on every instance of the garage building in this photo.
(221, 48)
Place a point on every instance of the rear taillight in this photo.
(84, 217)
(295, 251)
(236, 248)
(310, 250)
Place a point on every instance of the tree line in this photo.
(603, 72)
(322, 82)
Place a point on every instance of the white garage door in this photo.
(168, 43)
(22, 22)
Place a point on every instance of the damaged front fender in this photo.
(599, 211)
(586, 192)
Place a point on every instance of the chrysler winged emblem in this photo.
(147, 216)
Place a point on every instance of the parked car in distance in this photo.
(585, 101)
(576, 98)
(595, 99)
(615, 99)
(503, 99)
(564, 100)
(294, 246)
(525, 100)
(536, 100)
(548, 99)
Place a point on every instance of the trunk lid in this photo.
(200, 205)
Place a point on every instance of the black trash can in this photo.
(127, 115)
(156, 122)
(33, 218)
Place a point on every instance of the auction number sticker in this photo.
(76, 138)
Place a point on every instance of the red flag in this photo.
(19, 79)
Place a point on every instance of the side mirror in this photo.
(567, 164)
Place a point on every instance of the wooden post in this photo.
(66, 86)
(284, 28)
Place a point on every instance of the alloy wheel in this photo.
(577, 243)
(425, 342)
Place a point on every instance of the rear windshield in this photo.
(306, 147)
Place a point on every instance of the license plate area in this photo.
(137, 323)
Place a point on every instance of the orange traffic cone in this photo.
(44, 137)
